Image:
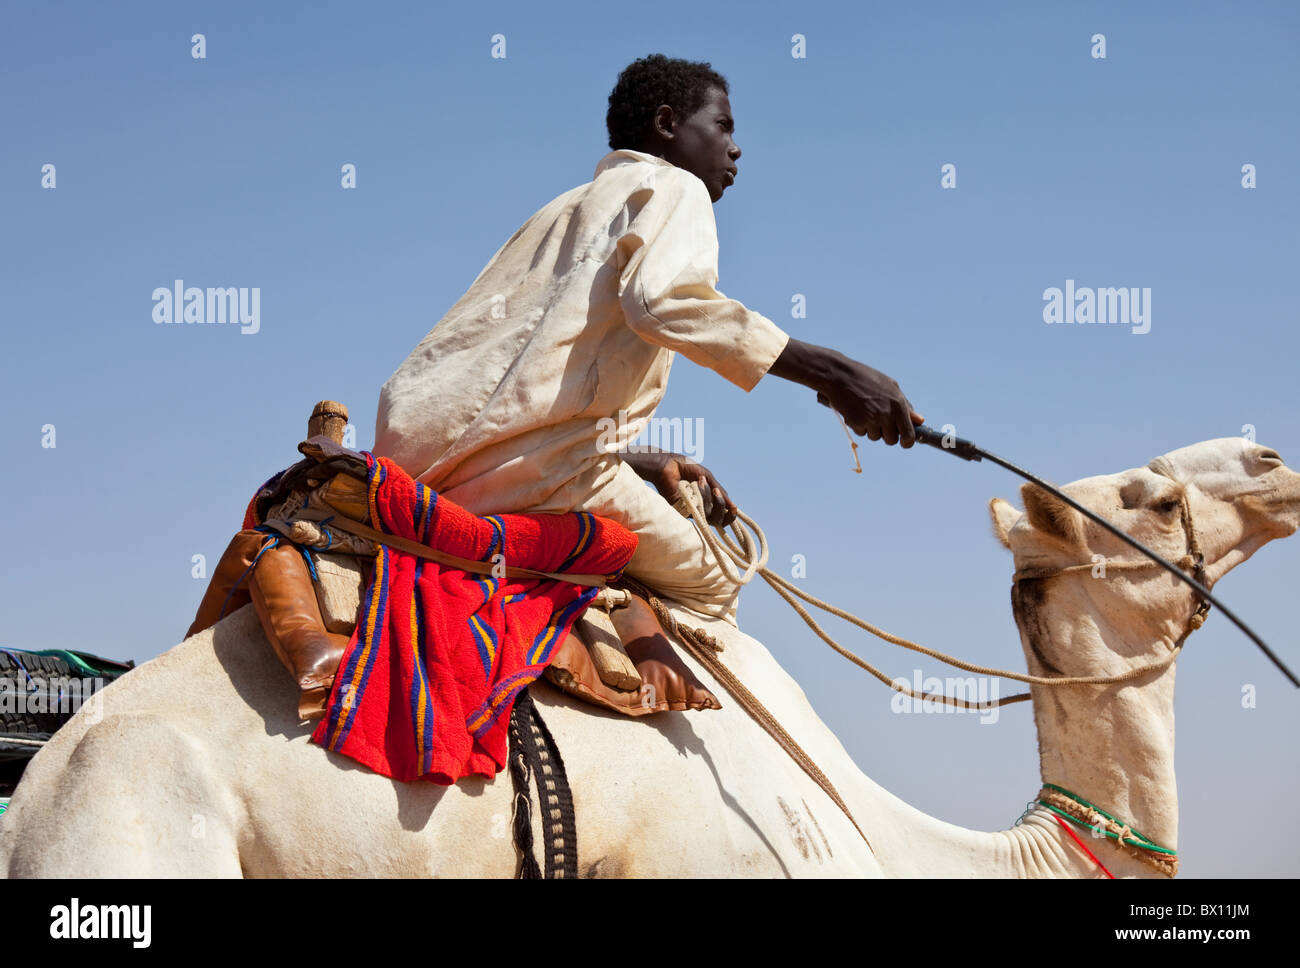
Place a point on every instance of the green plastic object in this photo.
(85, 663)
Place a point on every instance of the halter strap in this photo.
(1193, 561)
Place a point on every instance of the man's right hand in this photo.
(870, 402)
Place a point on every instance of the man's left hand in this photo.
(666, 470)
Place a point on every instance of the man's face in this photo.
(702, 144)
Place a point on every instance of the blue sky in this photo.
(1119, 172)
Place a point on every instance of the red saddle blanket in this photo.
(427, 682)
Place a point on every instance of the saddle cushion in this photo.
(425, 686)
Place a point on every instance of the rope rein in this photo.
(752, 557)
(751, 554)
(705, 649)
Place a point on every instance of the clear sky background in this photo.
(1117, 172)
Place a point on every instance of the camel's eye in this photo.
(1167, 507)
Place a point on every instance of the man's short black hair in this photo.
(649, 82)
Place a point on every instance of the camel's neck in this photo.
(1111, 745)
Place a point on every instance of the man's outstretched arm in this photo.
(870, 402)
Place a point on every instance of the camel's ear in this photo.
(1004, 518)
(1051, 516)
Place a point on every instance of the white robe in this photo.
(505, 405)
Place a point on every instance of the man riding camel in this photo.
(507, 404)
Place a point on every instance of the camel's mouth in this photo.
(1282, 500)
(1280, 510)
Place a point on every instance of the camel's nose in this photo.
(1285, 491)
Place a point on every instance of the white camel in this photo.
(198, 766)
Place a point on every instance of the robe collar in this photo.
(627, 156)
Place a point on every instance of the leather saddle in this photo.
(618, 657)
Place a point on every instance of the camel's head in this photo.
(1240, 495)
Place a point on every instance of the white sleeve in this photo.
(668, 273)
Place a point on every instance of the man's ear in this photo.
(1051, 516)
(1004, 518)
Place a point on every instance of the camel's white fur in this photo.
(199, 767)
